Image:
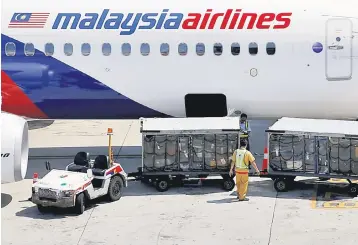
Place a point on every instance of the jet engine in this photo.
(14, 148)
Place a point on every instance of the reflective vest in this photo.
(246, 128)
(240, 159)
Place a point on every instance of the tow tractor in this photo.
(84, 179)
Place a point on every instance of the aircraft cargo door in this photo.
(339, 49)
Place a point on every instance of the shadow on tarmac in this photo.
(303, 189)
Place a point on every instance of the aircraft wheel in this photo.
(115, 188)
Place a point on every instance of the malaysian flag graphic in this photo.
(28, 20)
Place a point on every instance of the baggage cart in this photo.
(312, 148)
(178, 149)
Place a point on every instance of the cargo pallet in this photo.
(179, 150)
(326, 149)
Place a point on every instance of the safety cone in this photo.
(265, 162)
(35, 178)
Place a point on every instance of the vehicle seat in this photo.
(100, 165)
(81, 162)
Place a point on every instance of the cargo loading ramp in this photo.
(313, 148)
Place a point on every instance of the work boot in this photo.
(245, 199)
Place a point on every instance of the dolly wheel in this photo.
(353, 191)
(281, 185)
(80, 203)
(228, 184)
(162, 185)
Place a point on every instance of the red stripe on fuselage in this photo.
(15, 101)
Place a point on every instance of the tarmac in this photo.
(206, 214)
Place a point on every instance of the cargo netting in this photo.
(188, 153)
(315, 154)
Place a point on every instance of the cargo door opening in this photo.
(205, 105)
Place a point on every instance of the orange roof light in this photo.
(110, 131)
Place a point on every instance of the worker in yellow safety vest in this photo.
(241, 160)
(245, 128)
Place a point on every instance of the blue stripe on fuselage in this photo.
(63, 92)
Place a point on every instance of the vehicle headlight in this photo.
(68, 193)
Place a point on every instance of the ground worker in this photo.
(241, 160)
(245, 127)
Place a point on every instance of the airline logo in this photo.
(28, 20)
(127, 24)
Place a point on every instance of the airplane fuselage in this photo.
(120, 59)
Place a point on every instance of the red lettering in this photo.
(226, 19)
(213, 20)
(234, 19)
(205, 19)
(243, 20)
(283, 17)
(265, 17)
(192, 23)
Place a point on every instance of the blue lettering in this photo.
(131, 28)
(126, 23)
(173, 23)
(67, 18)
(102, 19)
(114, 23)
(161, 19)
(146, 18)
(88, 23)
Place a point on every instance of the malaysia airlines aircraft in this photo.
(130, 59)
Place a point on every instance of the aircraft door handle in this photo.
(335, 47)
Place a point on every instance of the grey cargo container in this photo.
(194, 147)
(313, 148)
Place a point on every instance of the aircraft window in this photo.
(145, 49)
(253, 48)
(182, 49)
(49, 49)
(126, 49)
(164, 49)
(270, 48)
(106, 49)
(29, 49)
(68, 49)
(235, 49)
(10, 49)
(200, 49)
(86, 49)
(218, 49)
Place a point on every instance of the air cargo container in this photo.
(176, 149)
(312, 148)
